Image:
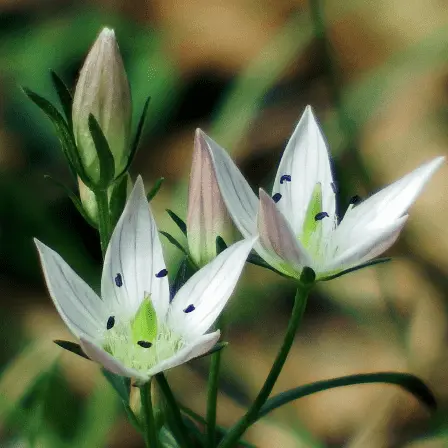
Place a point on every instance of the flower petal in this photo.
(196, 348)
(239, 198)
(134, 263)
(99, 355)
(199, 302)
(206, 218)
(80, 308)
(373, 243)
(279, 246)
(305, 163)
(389, 204)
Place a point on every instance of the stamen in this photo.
(144, 344)
(276, 197)
(321, 216)
(334, 187)
(285, 178)
(355, 200)
(189, 308)
(162, 273)
(110, 322)
(119, 280)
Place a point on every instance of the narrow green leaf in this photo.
(117, 200)
(121, 384)
(408, 382)
(173, 241)
(178, 221)
(105, 157)
(75, 200)
(71, 347)
(184, 272)
(138, 134)
(64, 134)
(357, 268)
(65, 97)
(155, 189)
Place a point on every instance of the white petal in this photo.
(372, 244)
(239, 198)
(207, 214)
(97, 354)
(384, 207)
(307, 161)
(135, 254)
(199, 347)
(279, 245)
(80, 308)
(208, 291)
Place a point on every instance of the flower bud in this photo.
(103, 90)
(207, 214)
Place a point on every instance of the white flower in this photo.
(298, 225)
(207, 214)
(133, 330)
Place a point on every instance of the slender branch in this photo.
(179, 428)
(234, 434)
(149, 426)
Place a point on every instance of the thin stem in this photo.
(149, 425)
(176, 421)
(300, 300)
(103, 219)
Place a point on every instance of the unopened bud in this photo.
(103, 90)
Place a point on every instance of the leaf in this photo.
(408, 382)
(71, 347)
(64, 134)
(118, 199)
(137, 137)
(155, 189)
(178, 221)
(184, 272)
(75, 200)
(173, 241)
(65, 97)
(357, 268)
(105, 157)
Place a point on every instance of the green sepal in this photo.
(117, 200)
(406, 381)
(75, 200)
(155, 189)
(174, 242)
(64, 134)
(65, 97)
(357, 268)
(138, 135)
(144, 325)
(314, 207)
(255, 259)
(178, 221)
(307, 276)
(105, 157)
(216, 348)
(71, 347)
(221, 245)
(184, 272)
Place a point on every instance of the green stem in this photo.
(177, 423)
(300, 300)
(102, 201)
(149, 425)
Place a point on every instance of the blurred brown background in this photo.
(243, 70)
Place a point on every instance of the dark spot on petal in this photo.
(119, 280)
(110, 322)
(276, 197)
(144, 344)
(321, 216)
(162, 273)
(189, 309)
(285, 178)
(334, 187)
(355, 200)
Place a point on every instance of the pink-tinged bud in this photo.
(207, 215)
(103, 90)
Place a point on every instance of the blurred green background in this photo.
(376, 74)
